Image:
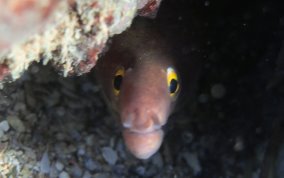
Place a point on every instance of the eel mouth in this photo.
(143, 144)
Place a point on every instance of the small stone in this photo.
(87, 175)
(91, 165)
(60, 111)
(140, 170)
(4, 126)
(109, 155)
(90, 140)
(16, 123)
(218, 91)
(44, 163)
(239, 144)
(75, 134)
(53, 171)
(59, 166)
(64, 175)
(81, 150)
(76, 171)
(193, 162)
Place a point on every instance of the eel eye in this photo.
(173, 81)
(117, 80)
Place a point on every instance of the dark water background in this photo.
(235, 44)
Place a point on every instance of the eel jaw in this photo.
(143, 145)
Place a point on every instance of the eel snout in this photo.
(143, 145)
(142, 130)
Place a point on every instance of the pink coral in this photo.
(69, 33)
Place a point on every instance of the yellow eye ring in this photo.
(117, 80)
(172, 81)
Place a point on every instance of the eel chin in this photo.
(143, 145)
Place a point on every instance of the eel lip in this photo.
(143, 145)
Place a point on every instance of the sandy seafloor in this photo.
(229, 125)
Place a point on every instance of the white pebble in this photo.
(64, 175)
(4, 126)
(109, 155)
(218, 91)
(81, 150)
(44, 163)
(59, 166)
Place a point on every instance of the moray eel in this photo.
(140, 80)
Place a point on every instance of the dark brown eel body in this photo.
(139, 78)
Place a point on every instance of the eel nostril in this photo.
(155, 119)
(156, 122)
(157, 127)
(127, 122)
